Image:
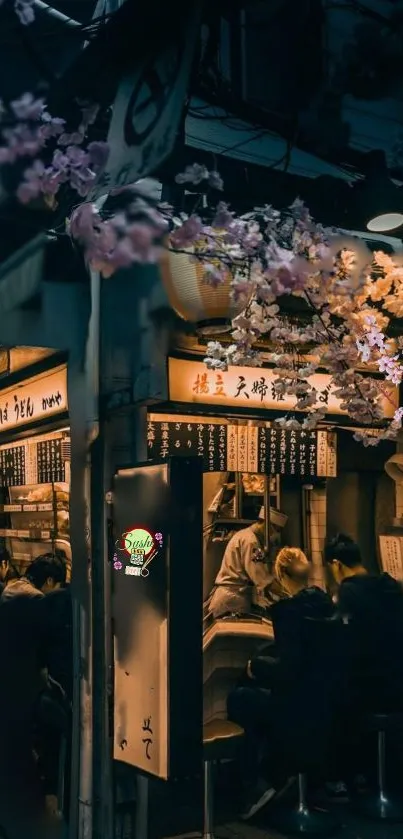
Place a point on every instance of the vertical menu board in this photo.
(50, 465)
(246, 448)
(208, 441)
(287, 452)
(12, 466)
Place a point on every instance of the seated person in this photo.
(292, 569)
(372, 606)
(250, 704)
(245, 583)
(7, 570)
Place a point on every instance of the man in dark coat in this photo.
(270, 675)
(48, 574)
(7, 570)
(21, 628)
(372, 608)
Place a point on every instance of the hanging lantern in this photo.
(193, 299)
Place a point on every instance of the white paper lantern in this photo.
(192, 298)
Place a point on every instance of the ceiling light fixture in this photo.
(379, 200)
(385, 222)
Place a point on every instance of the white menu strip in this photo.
(242, 448)
(31, 463)
(331, 454)
(322, 454)
(391, 548)
(252, 449)
(232, 448)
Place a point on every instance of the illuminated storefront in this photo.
(250, 462)
(35, 454)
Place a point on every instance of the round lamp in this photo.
(193, 299)
(385, 223)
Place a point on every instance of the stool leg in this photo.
(208, 801)
(378, 805)
(302, 794)
(301, 820)
(381, 764)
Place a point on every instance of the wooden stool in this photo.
(221, 741)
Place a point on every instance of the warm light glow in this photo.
(41, 396)
(385, 222)
(138, 541)
(251, 387)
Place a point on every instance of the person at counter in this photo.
(245, 584)
(7, 570)
(48, 574)
(372, 606)
(21, 800)
(250, 704)
(43, 660)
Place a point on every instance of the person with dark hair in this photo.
(372, 606)
(7, 570)
(47, 573)
(344, 558)
(21, 683)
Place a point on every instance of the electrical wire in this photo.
(90, 28)
(256, 159)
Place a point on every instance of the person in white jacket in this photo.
(245, 576)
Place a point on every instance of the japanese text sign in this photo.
(243, 448)
(250, 387)
(33, 399)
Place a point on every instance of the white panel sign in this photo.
(252, 387)
(392, 556)
(34, 399)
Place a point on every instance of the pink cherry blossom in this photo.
(265, 255)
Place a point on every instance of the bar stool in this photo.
(381, 805)
(221, 741)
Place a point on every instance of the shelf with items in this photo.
(26, 508)
(239, 502)
(34, 497)
(31, 535)
(33, 518)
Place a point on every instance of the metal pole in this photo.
(101, 630)
(208, 830)
(301, 793)
(141, 826)
(100, 603)
(381, 763)
(81, 765)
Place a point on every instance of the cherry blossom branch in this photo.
(267, 255)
